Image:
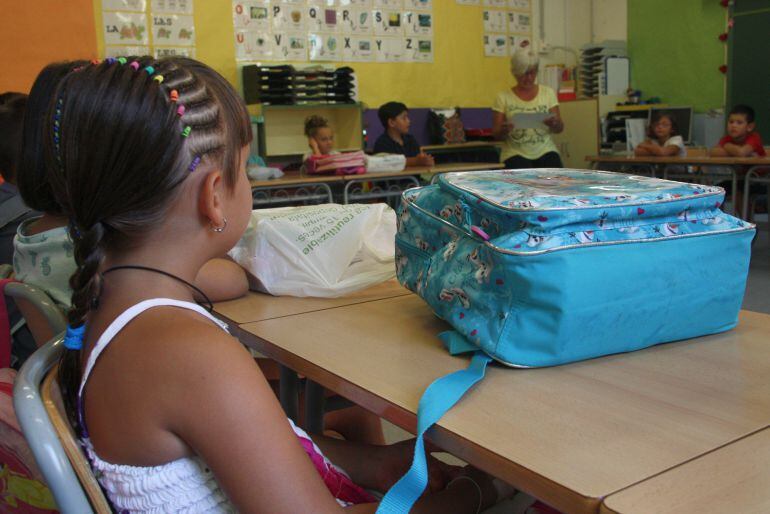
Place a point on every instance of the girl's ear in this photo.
(211, 199)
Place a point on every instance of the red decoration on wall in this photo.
(723, 68)
(723, 36)
(724, 3)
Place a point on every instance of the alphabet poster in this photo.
(333, 30)
(506, 30)
(166, 29)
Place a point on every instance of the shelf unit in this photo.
(281, 131)
(593, 72)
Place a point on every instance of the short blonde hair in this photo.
(524, 59)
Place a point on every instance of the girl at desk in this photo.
(320, 139)
(663, 138)
(147, 160)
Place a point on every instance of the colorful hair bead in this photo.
(158, 79)
(149, 69)
(194, 164)
(186, 131)
(73, 339)
(174, 95)
(122, 60)
(95, 61)
(134, 65)
(180, 110)
(110, 60)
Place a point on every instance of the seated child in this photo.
(394, 117)
(43, 250)
(191, 425)
(741, 139)
(663, 138)
(320, 138)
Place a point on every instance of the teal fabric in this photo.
(578, 264)
(438, 398)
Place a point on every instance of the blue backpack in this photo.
(549, 266)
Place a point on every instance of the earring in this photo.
(222, 228)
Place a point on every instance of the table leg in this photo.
(288, 392)
(314, 407)
(746, 188)
(736, 207)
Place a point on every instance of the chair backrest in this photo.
(46, 440)
(44, 318)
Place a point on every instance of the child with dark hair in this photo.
(663, 138)
(320, 136)
(741, 139)
(323, 158)
(394, 117)
(148, 163)
(44, 253)
(13, 210)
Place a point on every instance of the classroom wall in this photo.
(675, 53)
(33, 34)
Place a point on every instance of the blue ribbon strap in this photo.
(73, 339)
(438, 398)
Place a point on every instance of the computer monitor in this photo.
(682, 116)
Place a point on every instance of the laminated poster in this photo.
(125, 51)
(354, 3)
(387, 23)
(357, 48)
(495, 21)
(324, 19)
(418, 49)
(516, 42)
(388, 4)
(355, 20)
(418, 4)
(173, 51)
(388, 49)
(173, 30)
(124, 5)
(288, 17)
(253, 46)
(172, 6)
(125, 28)
(468, 2)
(324, 47)
(496, 3)
(252, 15)
(519, 22)
(521, 5)
(495, 45)
(290, 46)
(417, 23)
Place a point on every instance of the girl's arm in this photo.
(669, 150)
(313, 144)
(222, 279)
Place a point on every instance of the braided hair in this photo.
(122, 136)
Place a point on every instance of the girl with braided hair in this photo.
(148, 163)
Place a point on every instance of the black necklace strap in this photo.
(209, 306)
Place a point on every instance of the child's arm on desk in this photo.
(421, 159)
(222, 279)
(718, 151)
(734, 150)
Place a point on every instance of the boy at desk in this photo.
(741, 139)
(394, 117)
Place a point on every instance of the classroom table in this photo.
(257, 306)
(737, 165)
(733, 478)
(569, 435)
(295, 186)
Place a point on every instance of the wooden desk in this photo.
(261, 306)
(468, 145)
(570, 435)
(734, 478)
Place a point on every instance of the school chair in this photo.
(50, 437)
(43, 317)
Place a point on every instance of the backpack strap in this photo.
(438, 398)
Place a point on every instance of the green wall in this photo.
(675, 53)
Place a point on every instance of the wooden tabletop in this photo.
(295, 178)
(261, 306)
(734, 478)
(569, 435)
(696, 159)
(463, 146)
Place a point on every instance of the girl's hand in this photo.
(506, 127)
(395, 460)
(313, 144)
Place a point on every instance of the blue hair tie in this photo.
(73, 339)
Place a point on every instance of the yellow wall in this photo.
(459, 76)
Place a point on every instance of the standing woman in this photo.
(527, 147)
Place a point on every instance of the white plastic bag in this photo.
(322, 250)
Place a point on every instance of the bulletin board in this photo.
(459, 75)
